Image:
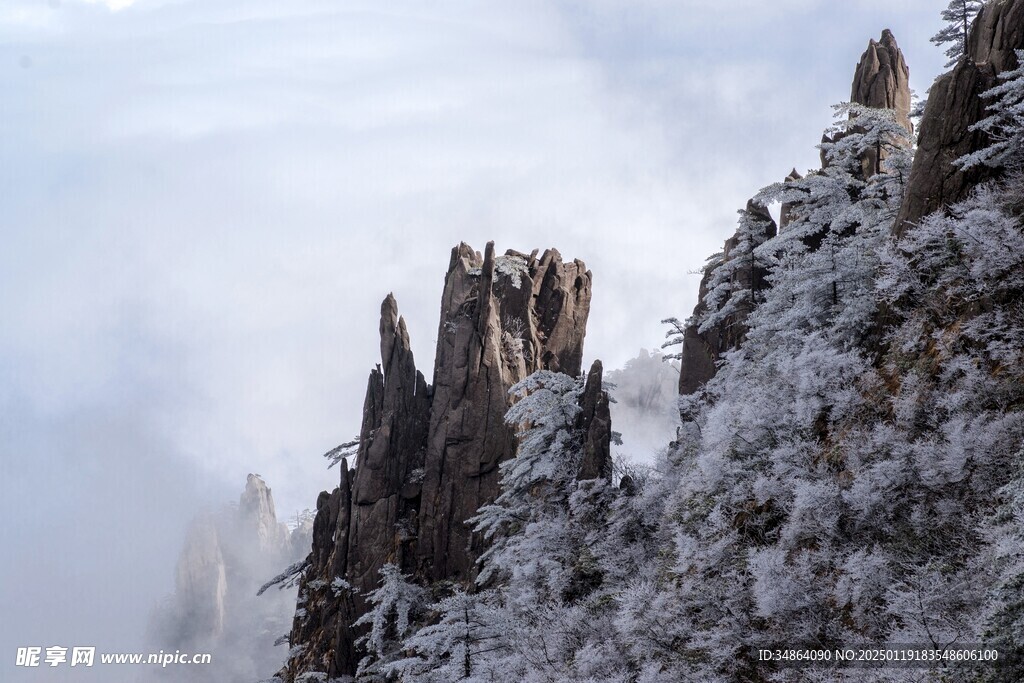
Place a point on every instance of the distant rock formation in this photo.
(954, 105)
(428, 455)
(881, 81)
(258, 519)
(226, 556)
(200, 582)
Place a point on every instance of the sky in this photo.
(205, 201)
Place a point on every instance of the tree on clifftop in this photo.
(959, 15)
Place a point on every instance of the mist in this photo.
(645, 408)
(97, 497)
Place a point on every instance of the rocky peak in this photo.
(954, 105)
(881, 81)
(428, 456)
(882, 78)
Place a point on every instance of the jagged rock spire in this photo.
(595, 421)
(396, 413)
(882, 78)
(428, 455)
(881, 81)
(502, 318)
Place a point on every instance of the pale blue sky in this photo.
(204, 202)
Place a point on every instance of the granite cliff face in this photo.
(881, 80)
(428, 455)
(954, 105)
(701, 350)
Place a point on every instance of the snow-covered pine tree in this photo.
(760, 518)
(396, 606)
(861, 506)
(674, 336)
(958, 15)
(733, 286)
(1002, 618)
(561, 550)
(535, 487)
(1004, 124)
(463, 641)
(957, 279)
(990, 221)
(827, 257)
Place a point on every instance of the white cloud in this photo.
(113, 5)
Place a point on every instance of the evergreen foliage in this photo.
(958, 15)
(1004, 124)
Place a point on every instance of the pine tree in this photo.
(396, 605)
(734, 286)
(959, 15)
(1002, 620)
(463, 640)
(827, 257)
(1004, 123)
(561, 550)
(535, 485)
(957, 279)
